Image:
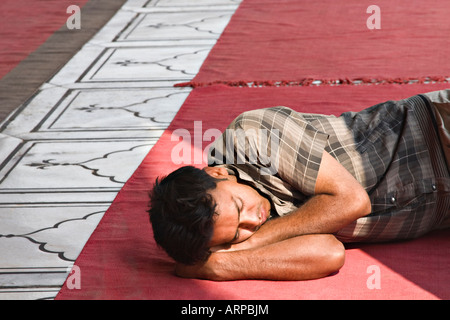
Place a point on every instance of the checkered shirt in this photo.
(392, 149)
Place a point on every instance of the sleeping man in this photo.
(283, 190)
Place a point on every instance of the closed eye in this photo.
(235, 237)
(238, 209)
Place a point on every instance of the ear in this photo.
(217, 172)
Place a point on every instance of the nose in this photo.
(250, 220)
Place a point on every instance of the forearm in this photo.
(321, 214)
(298, 258)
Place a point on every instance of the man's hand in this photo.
(229, 247)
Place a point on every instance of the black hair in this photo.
(182, 214)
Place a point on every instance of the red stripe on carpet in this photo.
(122, 261)
(287, 41)
(26, 24)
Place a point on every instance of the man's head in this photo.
(193, 210)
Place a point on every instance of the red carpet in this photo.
(296, 41)
(121, 260)
(26, 24)
(271, 41)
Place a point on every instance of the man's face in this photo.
(240, 209)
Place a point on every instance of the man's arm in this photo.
(299, 258)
